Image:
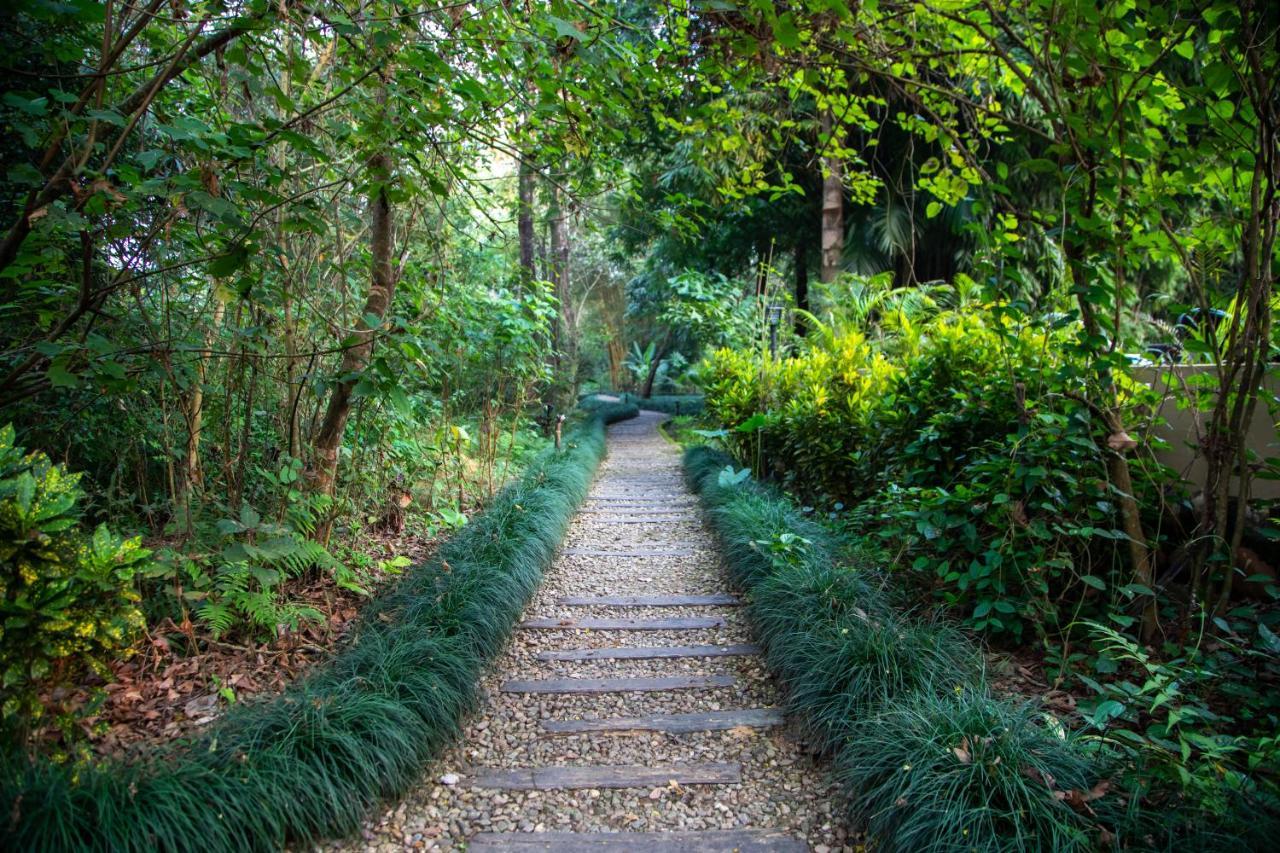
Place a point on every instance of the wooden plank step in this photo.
(633, 510)
(689, 519)
(716, 599)
(700, 721)
(649, 652)
(672, 500)
(619, 685)
(664, 505)
(649, 511)
(652, 497)
(674, 623)
(655, 508)
(608, 776)
(684, 841)
(596, 552)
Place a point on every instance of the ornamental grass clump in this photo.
(961, 770)
(310, 763)
(929, 760)
(841, 652)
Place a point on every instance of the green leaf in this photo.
(565, 29)
(249, 517)
(1093, 581)
(60, 376)
(1106, 711)
(1269, 639)
(785, 31)
(227, 264)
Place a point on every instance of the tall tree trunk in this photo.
(659, 353)
(190, 477)
(524, 222)
(616, 356)
(1247, 349)
(832, 208)
(324, 462)
(802, 286)
(562, 331)
(1108, 412)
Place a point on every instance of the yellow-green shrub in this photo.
(959, 442)
(67, 598)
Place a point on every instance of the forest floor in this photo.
(180, 678)
(597, 719)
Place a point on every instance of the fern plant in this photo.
(258, 557)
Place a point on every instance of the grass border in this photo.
(310, 763)
(929, 760)
(667, 404)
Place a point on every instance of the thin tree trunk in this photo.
(558, 275)
(762, 266)
(802, 287)
(324, 462)
(190, 477)
(1247, 349)
(1108, 412)
(832, 208)
(659, 353)
(524, 222)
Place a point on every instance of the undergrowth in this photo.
(930, 761)
(312, 761)
(668, 404)
(928, 758)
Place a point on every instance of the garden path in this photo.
(630, 711)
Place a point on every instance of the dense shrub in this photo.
(67, 597)
(960, 442)
(841, 652)
(670, 404)
(311, 762)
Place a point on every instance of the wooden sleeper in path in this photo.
(699, 721)
(649, 497)
(680, 623)
(619, 685)
(665, 520)
(686, 841)
(607, 776)
(715, 599)
(649, 652)
(596, 552)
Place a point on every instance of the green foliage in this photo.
(842, 651)
(960, 770)
(234, 573)
(958, 439)
(1159, 713)
(669, 404)
(310, 763)
(68, 601)
(928, 759)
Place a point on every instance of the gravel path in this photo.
(780, 788)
